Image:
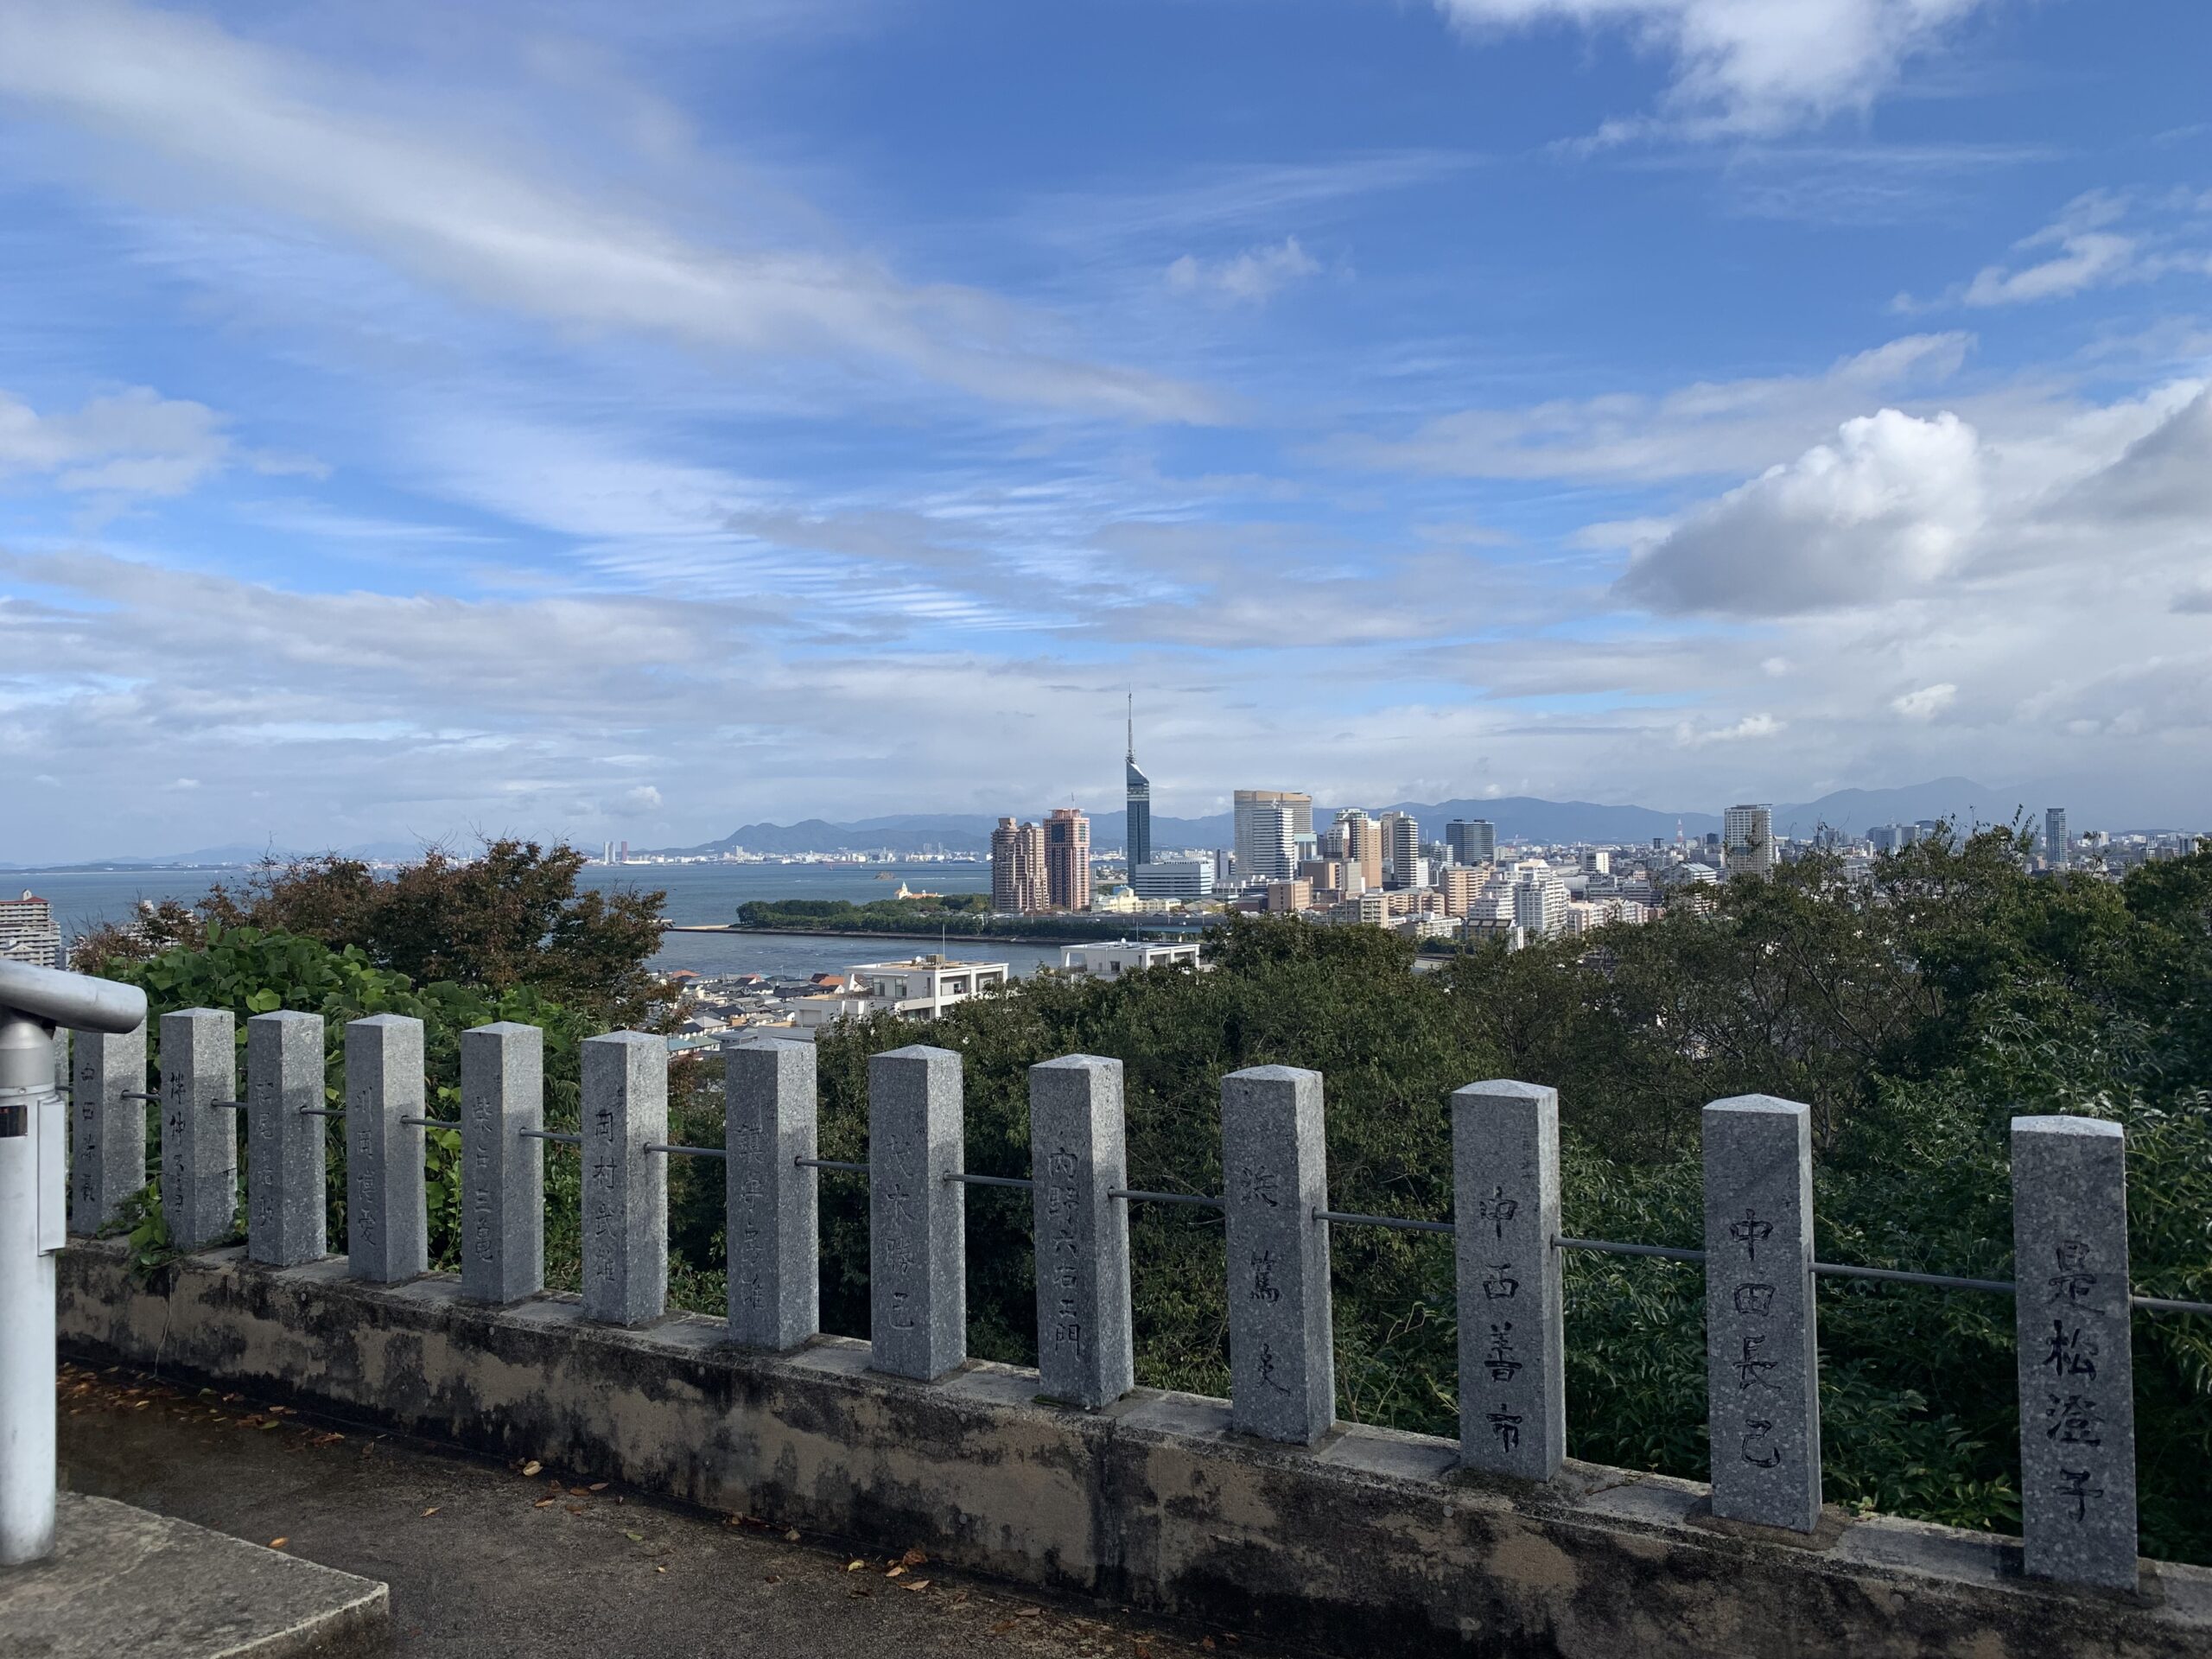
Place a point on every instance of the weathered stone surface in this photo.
(1373, 1543)
(199, 1147)
(107, 1133)
(122, 1581)
(1761, 1377)
(285, 1207)
(1512, 1347)
(626, 1187)
(2077, 1363)
(1085, 1351)
(918, 1252)
(502, 1173)
(1282, 1378)
(773, 1227)
(387, 1222)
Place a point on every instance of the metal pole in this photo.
(29, 1115)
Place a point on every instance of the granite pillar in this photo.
(1275, 1166)
(774, 1219)
(199, 1145)
(107, 1133)
(2076, 1365)
(387, 1224)
(502, 1173)
(1086, 1354)
(918, 1256)
(285, 1206)
(626, 1187)
(1762, 1376)
(1512, 1341)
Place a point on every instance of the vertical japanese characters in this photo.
(1275, 1162)
(1512, 1351)
(1085, 1353)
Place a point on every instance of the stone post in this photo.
(107, 1133)
(1512, 1340)
(199, 1145)
(1282, 1379)
(2077, 1369)
(917, 1247)
(773, 1222)
(1085, 1350)
(626, 1187)
(1761, 1377)
(284, 1201)
(502, 1174)
(387, 1225)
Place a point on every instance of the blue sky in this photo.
(625, 422)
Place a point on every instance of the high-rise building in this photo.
(1747, 840)
(2057, 849)
(1399, 833)
(1137, 836)
(1267, 840)
(1472, 840)
(1358, 839)
(1067, 859)
(1017, 867)
(1173, 878)
(1247, 805)
(28, 932)
(1540, 899)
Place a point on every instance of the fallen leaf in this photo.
(278, 1544)
(912, 1558)
(854, 1567)
(915, 1583)
(1002, 1627)
(272, 1423)
(433, 1509)
(142, 1405)
(596, 1486)
(575, 1509)
(792, 1537)
(532, 1468)
(578, 1491)
(545, 1503)
(1031, 1612)
(635, 1537)
(860, 1589)
(895, 1572)
(660, 1569)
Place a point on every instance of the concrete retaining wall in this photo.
(1366, 1543)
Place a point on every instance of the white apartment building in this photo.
(1540, 899)
(1114, 957)
(28, 932)
(1173, 878)
(1747, 840)
(922, 987)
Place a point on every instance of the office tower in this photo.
(2055, 847)
(1269, 831)
(1017, 867)
(1137, 836)
(1358, 839)
(1474, 841)
(28, 932)
(626, 852)
(1747, 840)
(1248, 803)
(1399, 835)
(1597, 860)
(1067, 859)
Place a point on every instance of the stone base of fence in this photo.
(1369, 1541)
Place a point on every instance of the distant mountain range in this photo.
(1518, 817)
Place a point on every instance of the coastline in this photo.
(949, 939)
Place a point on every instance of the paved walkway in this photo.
(486, 1560)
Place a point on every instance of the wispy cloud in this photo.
(286, 135)
(1253, 275)
(134, 442)
(2086, 247)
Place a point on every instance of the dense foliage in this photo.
(512, 916)
(960, 915)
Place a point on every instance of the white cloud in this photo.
(1891, 505)
(187, 100)
(2089, 252)
(1253, 275)
(132, 443)
(1750, 728)
(1707, 427)
(1755, 67)
(1927, 702)
(644, 798)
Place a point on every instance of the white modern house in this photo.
(1114, 957)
